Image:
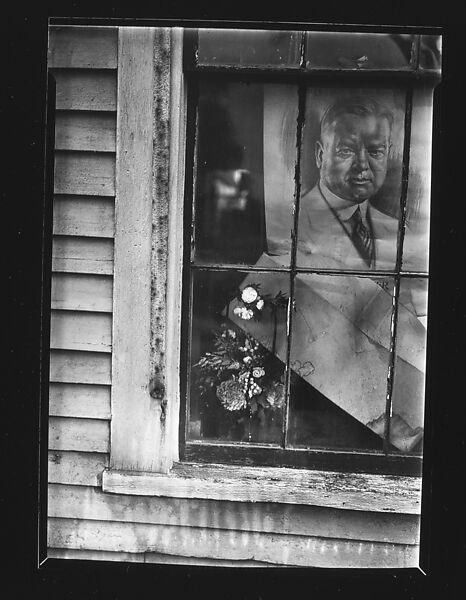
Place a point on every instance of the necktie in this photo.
(361, 237)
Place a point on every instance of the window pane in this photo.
(339, 357)
(416, 241)
(351, 178)
(336, 50)
(249, 47)
(430, 52)
(245, 160)
(237, 380)
(406, 427)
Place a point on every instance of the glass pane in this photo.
(407, 422)
(337, 50)
(249, 47)
(339, 360)
(245, 160)
(237, 352)
(430, 52)
(351, 178)
(416, 241)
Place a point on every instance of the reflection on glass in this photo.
(245, 171)
(351, 179)
(339, 360)
(237, 371)
(407, 422)
(416, 241)
(337, 50)
(249, 47)
(430, 52)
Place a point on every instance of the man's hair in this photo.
(355, 105)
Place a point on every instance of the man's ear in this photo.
(319, 150)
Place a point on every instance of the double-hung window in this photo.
(271, 260)
(306, 227)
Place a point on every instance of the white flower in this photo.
(232, 333)
(260, 304)
(258, 372)
(247, 359)
(254, 390)
(243, 312)
(249, 295)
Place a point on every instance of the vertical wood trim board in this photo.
(175, 241)
(135, 416)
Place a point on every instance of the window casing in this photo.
(148, 455)
(412, 82)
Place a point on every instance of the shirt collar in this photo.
(343, 213)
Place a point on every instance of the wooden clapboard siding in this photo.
(76, 468)
(83, 216)
(83, 61)
(81, 331)
(157, 558)
(82, 255)
(86, 131)
(83, 47)
(73, 501)
(149, 557)
(85, 90)
(79, 400)
(83, 435)
(295, 550)
(88, 173)
(71, 366)
(82, 554)
(77, 291)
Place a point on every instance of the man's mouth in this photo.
(360, 181)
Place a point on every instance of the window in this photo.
(223, 225)
(306, 248)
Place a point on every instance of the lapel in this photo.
(321, 233)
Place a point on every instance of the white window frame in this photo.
(148, 265)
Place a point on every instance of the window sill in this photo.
(364, 492)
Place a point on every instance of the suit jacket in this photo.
(323, 241)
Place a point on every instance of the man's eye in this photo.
(344, 151)
(377, 153)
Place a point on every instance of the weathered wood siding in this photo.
(84, 522)
(83, 61)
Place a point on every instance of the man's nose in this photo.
(361, 161)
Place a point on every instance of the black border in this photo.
(22, 189)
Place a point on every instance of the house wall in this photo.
(84, 522)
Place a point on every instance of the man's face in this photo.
(352, 156)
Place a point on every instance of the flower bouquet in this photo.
(245, 377)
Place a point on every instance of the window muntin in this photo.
(374, 437)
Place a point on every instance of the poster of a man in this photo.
(349, 220)
(337, 221)
(332, 228)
